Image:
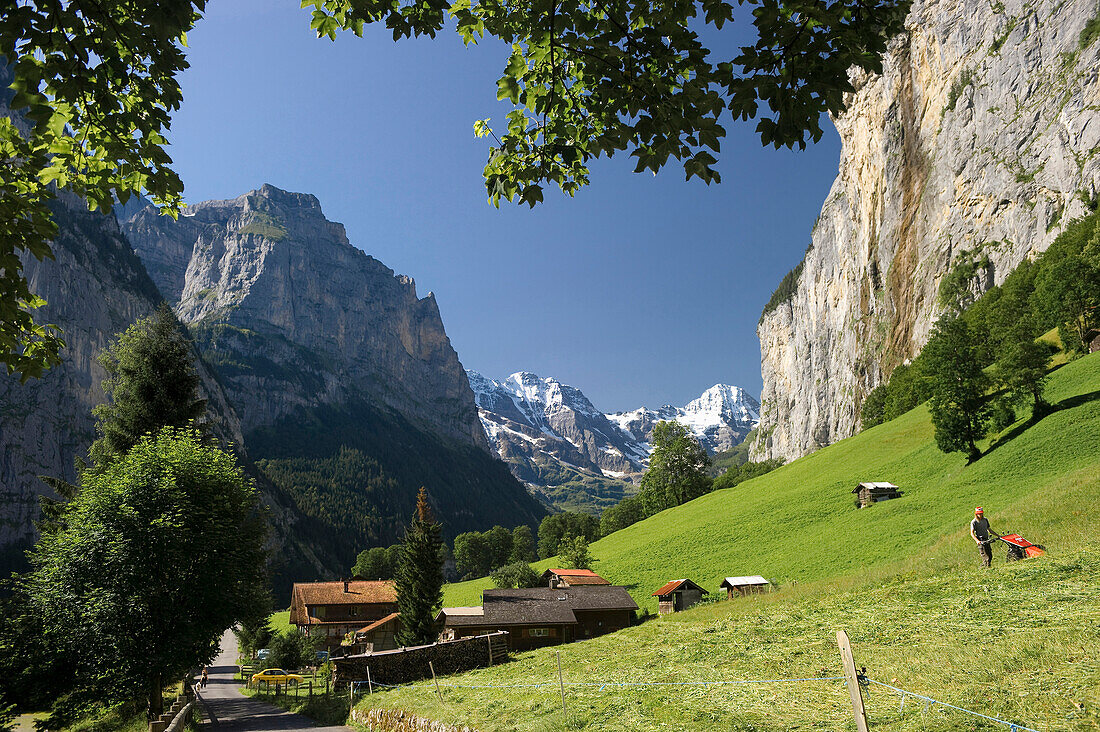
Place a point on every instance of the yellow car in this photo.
(276, 676)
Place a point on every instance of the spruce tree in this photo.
(420, 577)
(151, 383)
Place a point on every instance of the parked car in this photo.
(263, 653)
(322, 656)
(276, 676)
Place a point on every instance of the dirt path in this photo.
(232, 711)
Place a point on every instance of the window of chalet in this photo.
(540, 632)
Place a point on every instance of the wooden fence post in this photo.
(852, 679)
(561, 683)
(489, 639)
(436, 682)
(370, 684)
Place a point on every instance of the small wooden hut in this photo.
(678, 595)
(873, 492)
(1092, 340)
(741, 586)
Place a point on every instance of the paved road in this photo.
(235, 712)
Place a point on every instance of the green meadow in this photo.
(1020, 642)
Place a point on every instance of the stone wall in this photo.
(397, 720)
(411, 664)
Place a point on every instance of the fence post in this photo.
(370, 685)
(436, 682)
(561, 684)
(852, 680)
(489, 639)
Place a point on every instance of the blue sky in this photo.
(641, 290)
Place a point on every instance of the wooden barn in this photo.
(1092, 339)
(678, 595)
(741, 586)
(873, 492)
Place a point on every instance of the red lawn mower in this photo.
(1018, 546)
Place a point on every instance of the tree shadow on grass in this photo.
(1067, 403)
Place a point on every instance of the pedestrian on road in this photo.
(979, 531)
(205, 677)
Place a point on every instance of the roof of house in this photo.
(576, 576)
(359, 592)
(680, 584)
(875, 485)
(754, 579)
(542, 606)
(379, 623)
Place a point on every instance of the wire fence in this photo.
(927, 703)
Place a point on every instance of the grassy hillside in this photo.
(1019, 642)
(799, 523)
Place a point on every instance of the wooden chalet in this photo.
(678, 595)
(541, 616)
(381, 635)
(572, 578)
(741, 586)
(873, 492)
(332, 610)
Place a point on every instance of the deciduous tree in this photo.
(420, 577)
(677, 468)
(574, 553)
(960, 410)
(517, 574)
(523, 544)
(160, 552)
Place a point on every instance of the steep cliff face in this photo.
(975, 146)
(295, 317)
(349, 392)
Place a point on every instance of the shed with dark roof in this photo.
(540, 616)
(678, 595)
(870, 492)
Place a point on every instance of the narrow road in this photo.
(232, 711)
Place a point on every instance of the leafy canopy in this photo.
(159, 553)
(94, 85)
(590, 79)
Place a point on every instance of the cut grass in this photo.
(1019, 642)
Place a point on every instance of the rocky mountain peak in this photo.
(266, 276)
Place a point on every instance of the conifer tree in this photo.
(151, 383)
(420, 576)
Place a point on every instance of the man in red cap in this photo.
(979, 531)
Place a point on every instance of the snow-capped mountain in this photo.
(720, 418)
(550, 434)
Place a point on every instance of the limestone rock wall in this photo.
(978, 142)
(266, 279)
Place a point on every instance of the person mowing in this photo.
(979, 531)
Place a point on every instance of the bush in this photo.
(516, 575)
(291, 650)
